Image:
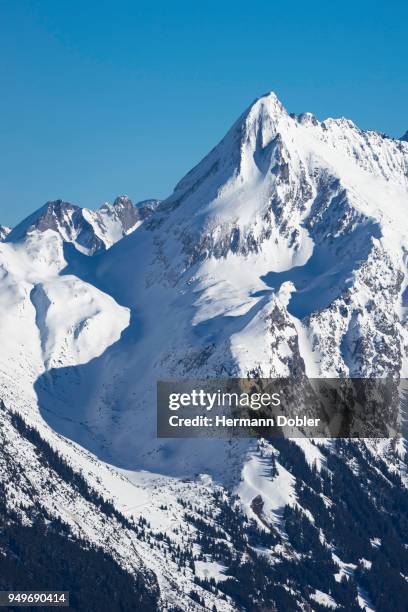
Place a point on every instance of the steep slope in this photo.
(281, 543)
(47, 319)
(43, 496)
(284, 252)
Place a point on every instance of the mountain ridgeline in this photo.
(90, 231)
(282, 253)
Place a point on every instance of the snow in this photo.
(365, 563)
(93, 322)
(301, 219)
(193, 304)
(210, 569)
(324, 599)
(197, 302)
(346, 569)
(313, 455)
(89, 231)
(363, 601)
(275, 492)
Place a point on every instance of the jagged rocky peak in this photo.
(90, 231)
(268, 151)
(71, 222)
(57, 208)
(250, 189)
(122, 213)
(55, 215)
(123, 201)
(127, 215)
(235, 155)
(305, 201)
(405, 137)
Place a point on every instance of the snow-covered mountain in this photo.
(283, 252)
(89, 230)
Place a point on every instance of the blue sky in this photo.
(100, 98)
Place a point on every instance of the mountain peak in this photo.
(405, 137)
(265, 107)
(50, 216)
(245, 145)
(270, 99)
(58, 204)
(123, 201)
(90, 231)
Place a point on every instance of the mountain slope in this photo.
(71, 522)
(282, 253)
(280, 543)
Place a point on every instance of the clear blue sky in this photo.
(100, 98)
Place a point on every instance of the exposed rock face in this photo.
(90, 231)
